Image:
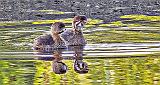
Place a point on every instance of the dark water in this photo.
(124, 52)
(100, 9)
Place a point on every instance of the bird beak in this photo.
(60, 32)
(84, 21)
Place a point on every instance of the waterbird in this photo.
(51, 40)
(74, 36)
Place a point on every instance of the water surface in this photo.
(120, 52)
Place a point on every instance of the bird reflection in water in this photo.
(59, 67)
(79, 65)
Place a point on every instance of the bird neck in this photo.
(56, 37)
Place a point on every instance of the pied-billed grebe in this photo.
(75, 36)
(51, 40)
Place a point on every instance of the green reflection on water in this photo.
(130, 71)
(16, 72)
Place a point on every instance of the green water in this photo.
(130, 71)
(124, 52)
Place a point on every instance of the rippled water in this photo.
(115, 54)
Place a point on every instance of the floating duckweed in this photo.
(14, 23)
(45, 21)
(142, 17)
(116, 23)
(89, 26)
(94, 21)
(120, 24)
(69, 20)
(105, 25)
(90, 23)
(134, 25)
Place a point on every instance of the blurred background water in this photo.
(122, 42)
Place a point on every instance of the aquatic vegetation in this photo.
(94, 21)
(45, 21)
(120, 24)
(117, 23)
(90, 23)
(69, 20)
(135, 21)
(134, 25)
(87, 26)
(142, 17)
(113, 24)
(15, 23)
